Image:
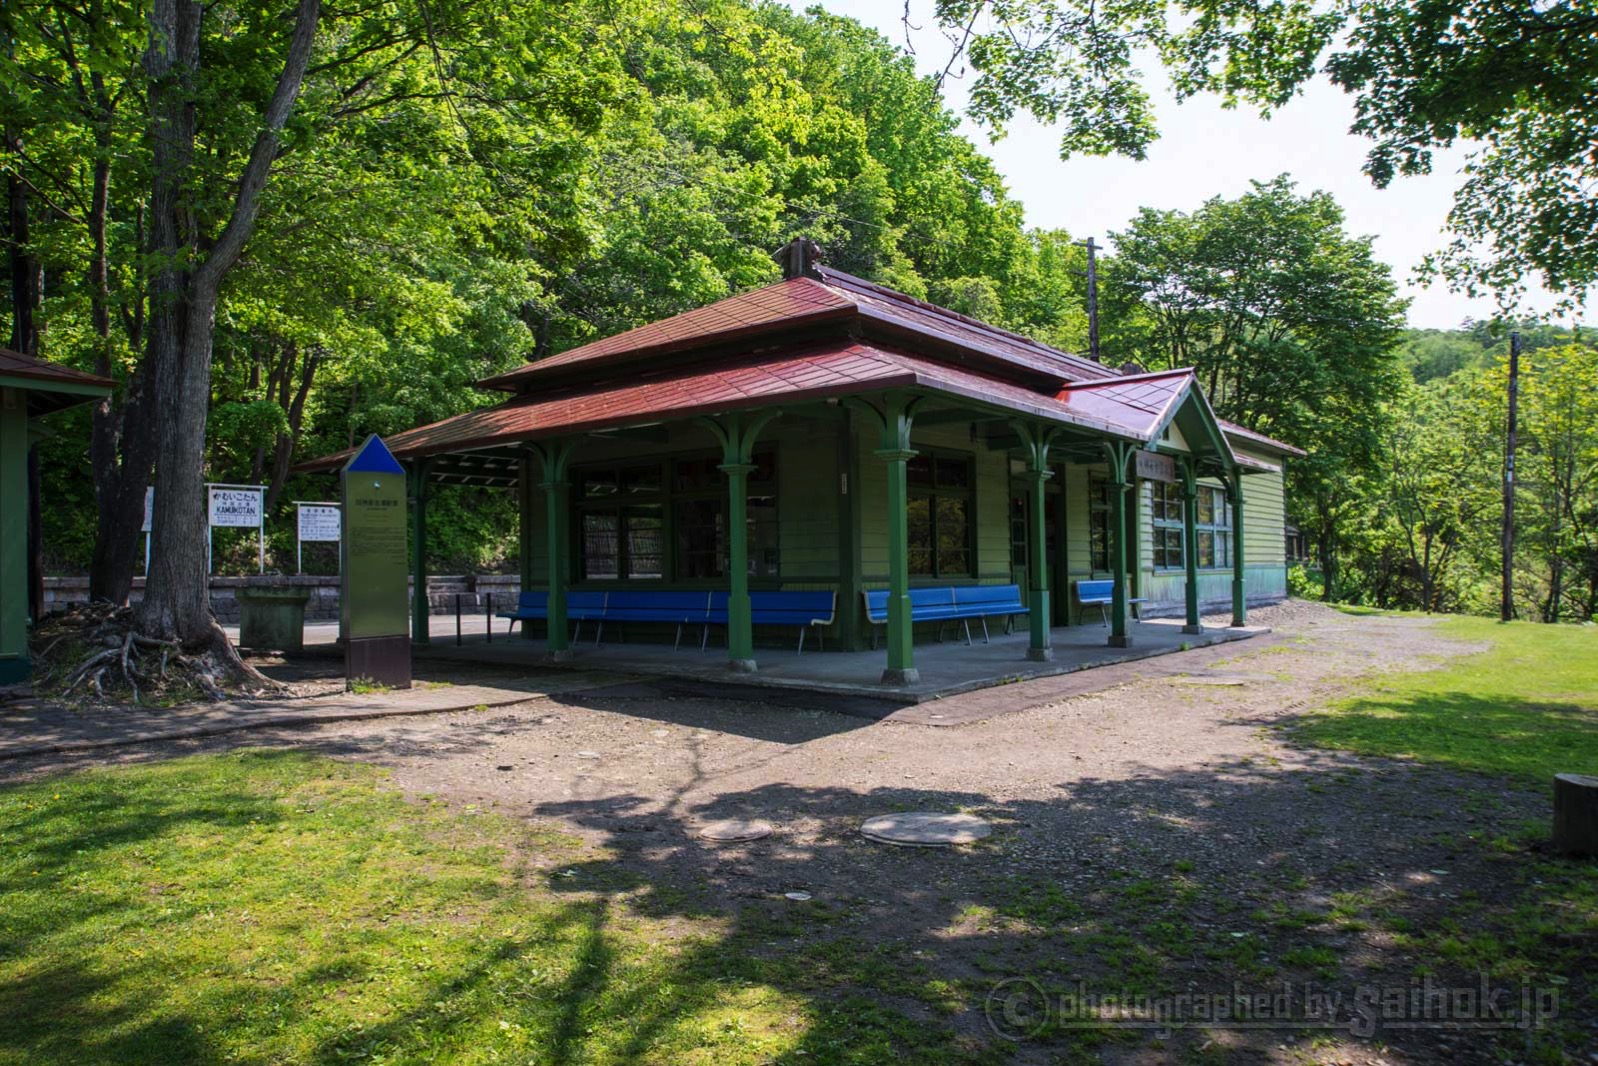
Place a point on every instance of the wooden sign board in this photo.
(1152, 466)
(374, 595)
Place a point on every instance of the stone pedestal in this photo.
(272, 619)
(1576, 815)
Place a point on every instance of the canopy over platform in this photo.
(826, 349)
(29, 388)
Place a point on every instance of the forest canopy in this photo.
(464, 187)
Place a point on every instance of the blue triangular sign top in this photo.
(374, 458)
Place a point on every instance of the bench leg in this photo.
(676, 644)
(966, 624)
(704, 636)
(985, 638)
(1104, 616)
(600, 635)
(801, 640)
(873, 638)
(577, 631)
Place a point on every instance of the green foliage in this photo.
(1525, 708)
(1516, 78)
(268, 906)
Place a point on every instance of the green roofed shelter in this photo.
(29, 389)
(828, 433)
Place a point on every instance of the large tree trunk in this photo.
(176, 604)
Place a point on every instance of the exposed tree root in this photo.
(95, 653)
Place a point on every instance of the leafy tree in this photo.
(1519, 78)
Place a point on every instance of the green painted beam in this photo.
(1234, 493)
(420, 611)
(1190, 548)
(737, 434)
(1118, 456)
(555, 457)
(14, 663)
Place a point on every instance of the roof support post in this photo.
(1035, 442)
(554, 457)
(1234, 496)
(420, 605)
(526, 482)
(14, 664)
(737, 434)
(1118, 454)
(894, 419)
(1190, 545)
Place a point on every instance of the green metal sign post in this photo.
(372, 597)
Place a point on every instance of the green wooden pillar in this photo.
(1190, 547)
(1118, 455)
(420, 611)
(555, 457)
(737, 434)
(1234, 495)
(1035, 443)
(14, 662)
(526, 482)
(894, 419)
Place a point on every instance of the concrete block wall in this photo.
(475, 590)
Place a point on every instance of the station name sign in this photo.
(1152, 466)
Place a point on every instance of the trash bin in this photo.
(272, 619)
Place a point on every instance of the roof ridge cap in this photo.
(874, 288)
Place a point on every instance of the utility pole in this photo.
(1506, 599)
(1093, 299)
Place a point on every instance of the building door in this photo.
(1054, 542)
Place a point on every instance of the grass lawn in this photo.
(271, 907)
(1527, 708)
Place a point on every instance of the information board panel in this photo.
(319, 522)
(235, 507)
(375, 596)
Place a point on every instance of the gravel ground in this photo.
(1170, 799)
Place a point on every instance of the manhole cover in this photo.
(925, 829)
(734, 830)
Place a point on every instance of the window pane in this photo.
(919, 514)
(599, 544)
(1206, 506)
(763, 548)
(645, 542)
(1223, 549)
(597, 484)
(953, 473)
(1206, 549)
(954, 535)
(700, 545)
(765, 472)
(640, 480)
(919, 471)
(694, 474)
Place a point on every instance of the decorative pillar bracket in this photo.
(737, 433)
(894, 420)
(1035, 443)
(554, 457)
(1118, 454)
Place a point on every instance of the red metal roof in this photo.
(820, 371)
(788, 304)
(831, 296)
(16, 365)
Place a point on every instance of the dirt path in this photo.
(1167, 820)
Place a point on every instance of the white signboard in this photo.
(319, 521)
(235, 506)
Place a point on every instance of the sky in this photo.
(1204, 151)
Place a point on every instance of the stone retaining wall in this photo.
(474, 589)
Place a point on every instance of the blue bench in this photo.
(534, 607)
(705, 609)
(1101, 594)
(958, 603)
